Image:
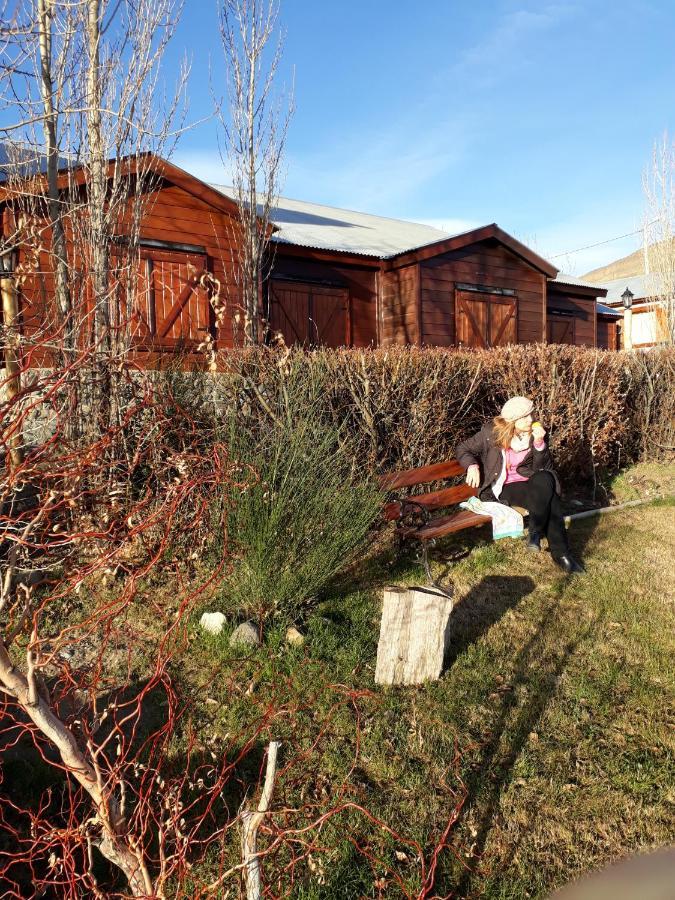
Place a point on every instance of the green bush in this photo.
(306, 509)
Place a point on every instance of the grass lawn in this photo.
(550, 732)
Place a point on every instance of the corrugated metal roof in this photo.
(642, 286)
(344, 230)
(22, 161)
(563, 278)
(608, 311)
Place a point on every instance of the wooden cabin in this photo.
(572, 311)
(337, 278)
(188, 229)
(344, 277)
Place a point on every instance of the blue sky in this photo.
(537, 115)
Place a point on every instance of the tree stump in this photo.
(414, 635)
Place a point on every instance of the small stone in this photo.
(246, 633)
(294, 637)
(212, 622)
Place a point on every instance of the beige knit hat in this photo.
(516, 408)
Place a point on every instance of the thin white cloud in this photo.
(204, 164)
(504, 48)
(451, 226)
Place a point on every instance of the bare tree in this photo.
(87, 112)
(67, 531)
(255, 121)
(659, 234)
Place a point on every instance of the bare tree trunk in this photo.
(255, 131)
(114, 845)
(51, 152)
(659, 237)
(96, 187)
(12, 386)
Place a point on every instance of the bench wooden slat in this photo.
(456, 521)
(434, 500)
(423, 475)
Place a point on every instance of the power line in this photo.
(597, 244)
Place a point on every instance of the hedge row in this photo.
(407, 407)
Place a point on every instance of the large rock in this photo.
(246, 634)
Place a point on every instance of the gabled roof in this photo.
(129, 165)
(329, 228)
(21, 160)
(320, 227)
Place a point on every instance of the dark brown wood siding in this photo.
(607, 334)
(176, 216)
(489, 265)
(359, 281)
(579, 308)
(170, 311)
(399, 306)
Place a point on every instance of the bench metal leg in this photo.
(433, 582)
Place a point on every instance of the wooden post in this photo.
(414, 635)
(12, 385)
(628, 329)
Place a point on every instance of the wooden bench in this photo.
(413, 513)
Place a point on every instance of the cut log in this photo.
(414, 634)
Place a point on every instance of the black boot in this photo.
(569, 565)
(534, 541)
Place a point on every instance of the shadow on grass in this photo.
(390, 560)
(481, 608)
(494, 769)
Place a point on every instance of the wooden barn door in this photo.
(485, 320)
(289, 312)
(310, 315)
(560, 329)
(172, 308)
(329, 317)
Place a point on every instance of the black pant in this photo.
(537, 495)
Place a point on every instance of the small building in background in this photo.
(649, 320)
(572, 311)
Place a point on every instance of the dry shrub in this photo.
(406, 407)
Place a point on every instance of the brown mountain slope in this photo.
(633, 264)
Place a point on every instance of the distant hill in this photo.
(626, 267)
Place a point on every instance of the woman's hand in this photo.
(538, 432)
(473, 476)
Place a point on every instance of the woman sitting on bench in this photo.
(509, 462)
